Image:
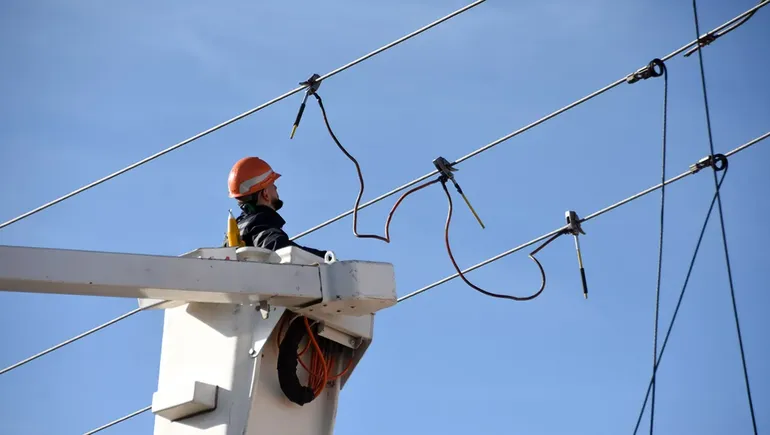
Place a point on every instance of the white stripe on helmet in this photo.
(251, 182)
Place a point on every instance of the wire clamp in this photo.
(703, 41)
(717, 161)
(445, 170)
(574, 228)
(312, 87)
(648, 71)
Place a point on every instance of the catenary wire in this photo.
(120, 420)
(78, 337)
(678, 305)
(722, 222)
(517, 132)
(555, 232)
(660, 244)
(239, 117)
(585, 219)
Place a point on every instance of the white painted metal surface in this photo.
(185, 400)
(235, 348)
(218, 367)
(62, 271)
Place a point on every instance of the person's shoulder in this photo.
(259, 217)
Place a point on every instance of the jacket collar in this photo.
(263, 213)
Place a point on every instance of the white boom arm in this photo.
(219, 359)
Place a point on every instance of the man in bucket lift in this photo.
(252, 184)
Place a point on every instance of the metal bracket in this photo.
(445, 169)
(573, 223)
(264, 309)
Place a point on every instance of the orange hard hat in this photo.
(250, 175)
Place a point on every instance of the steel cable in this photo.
(78, 337)
(517, 132)
(120, 420)
(722, 222)
(238, 117)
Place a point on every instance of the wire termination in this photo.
(648, 71)
(716, 161)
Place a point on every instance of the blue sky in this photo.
(89, 87)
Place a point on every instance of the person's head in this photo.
(252, 181)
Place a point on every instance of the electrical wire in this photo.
(78, 337)
(551, 234)
(660, 242)
(517, 132)
(585, 219)
(678, 305)
(241, 116)
(462, 275)
(320, 370)
(120, 420)
(722, 222)
(712, 36)
(386, 238)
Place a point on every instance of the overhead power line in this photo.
(585, 219)
(78, 337)
(521, 130)
(241, 116)
(437, 283)
(693, 170)
(120, 420)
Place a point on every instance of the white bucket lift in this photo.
(219, 370)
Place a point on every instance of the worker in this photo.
(252, 184)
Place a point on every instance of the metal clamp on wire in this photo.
(703, 41)
(717, 161)
(648, 71)
(312, 86)
(445, 170)
(574, 228)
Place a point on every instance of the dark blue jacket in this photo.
(261, 226)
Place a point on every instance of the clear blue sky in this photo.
(89, 87)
